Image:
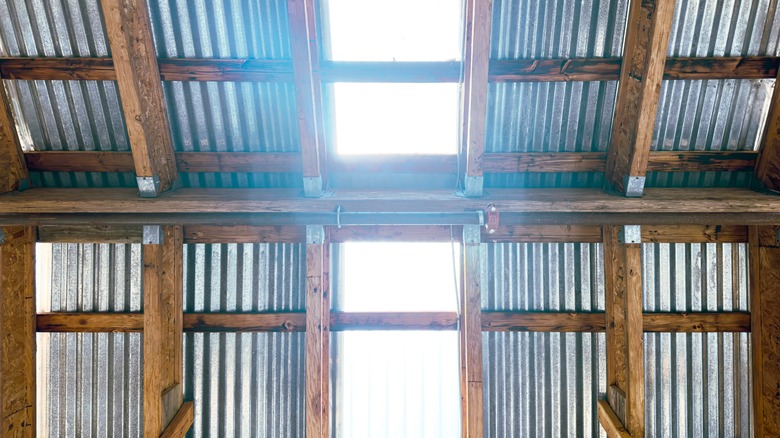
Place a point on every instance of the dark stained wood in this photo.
(305, 61)
(181, 423)
(610, 422)
(272, 70)
(341, 321)
(90, 234)
(90, 322)
(511, 162)
(244, 234)
(66, 161)
(14, 170)
(767, 170)
(694, 234)
(701, 161)
(544, 233)
(694, 322)
(17, 332)
(260, 162)
(245, 322)
(764, 257)
(132, 46)
(644, 55)
(542, 322)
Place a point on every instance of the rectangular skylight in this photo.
(397, 30)
(383, 118)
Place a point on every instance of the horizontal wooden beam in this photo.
(90, 234)
(273, 162)
(244, 234)
(492, 321)
(695, 234)
(266, 70)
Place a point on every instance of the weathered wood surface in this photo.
(764, 256)
(138, 78)
(181, 423)
(767, 170)
(610, 422)
(272, 70)
(90, 234)
(17, 332)
(471, 327)
(644, 56)
(244, 234)
(694, 234)
(14, 174)
(317, 372)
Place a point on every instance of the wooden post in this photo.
(163, 323)
(764, 247)
(14, 169)
(17, 331)
(625, 351)
(471, 331)
(317, 330)
(138, 78)
(767, 170)
(644, 55)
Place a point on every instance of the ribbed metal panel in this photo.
(558, 28)
(245, 384)
(58, 28)
(244, 277)
(725, 28)
(221, 28)
(696, 384)
(544, 277)
(543, 384)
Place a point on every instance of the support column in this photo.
(625, 350)
(17, 331)
(764, 247)
(471, 332)
(317, 333)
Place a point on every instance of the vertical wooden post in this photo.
(17, 331)
(163, 321)
(764, 247)
(625, 351)
(471, 331)
(317, 320)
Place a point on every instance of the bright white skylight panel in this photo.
(383, 118)
(398, 277)
(394, 30)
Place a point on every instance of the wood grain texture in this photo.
(90, 322)
(644, 56)
(694, 234)
(544, 233)
(14, 169)
(542, 322)
(764, 262)
(316, 398)
(17, 332)
(244, 234)
(181, 423)
(90, 234)
(138, 79)
(471, 325)
(610, 422)
(767, 170)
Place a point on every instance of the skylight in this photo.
(397, 30)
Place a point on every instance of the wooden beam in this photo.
(90, 234)
(17, 332)
(475, 89)
(306, 69)
(644, 55)
(542, 322)
(275, 70)
(244, 234)
(767, 170)
(694, 234)
(342, 321)
(138, 79)
(610, 422)
(471, 328)
(90, 322)
(697, 322)
(245, 322)
(14, 175)
(764, 257)
(625, 352)
(317, 371)
(181, 423)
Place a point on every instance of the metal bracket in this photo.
(148, 186)
(493, 218)
(635, 186)
(473, 186)
(472, 234)
(630, 234)
(312, 186)
(152, 235)
(315, 234)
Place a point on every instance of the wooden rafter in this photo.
(767, 170)
(138, 79)
(17, 332)
(475, 91)
(14, 169)
(764, 254)
(625, 353)
(267, 70)
(644, 55)
(306, 69)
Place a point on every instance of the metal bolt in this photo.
(492, 208)
(491, 231)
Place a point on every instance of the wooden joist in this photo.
(17, 332)
(273, 70)
(644, 54)
(471, 331)
(317, 329)
(286, 162)
(162, 325)
(764, 256)
(308, 88)
(138, 79)
(625, 352)
(475, 91)
(14, 174)
(767, 170)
